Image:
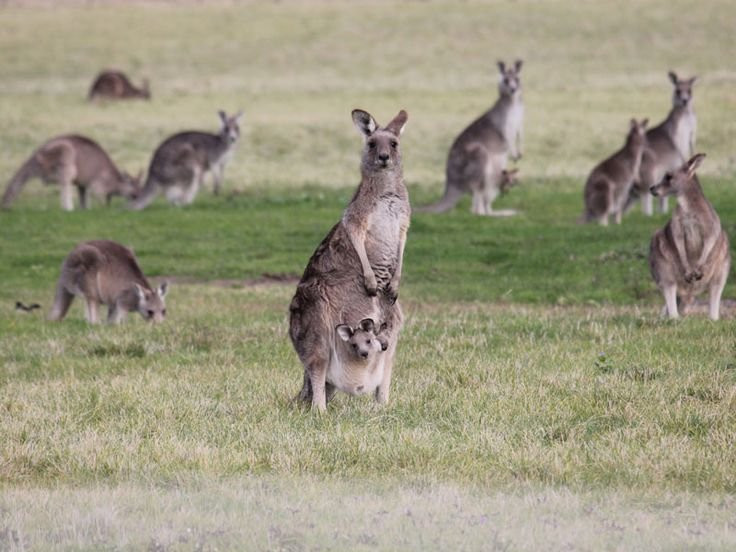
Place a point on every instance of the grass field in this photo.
(538, 401)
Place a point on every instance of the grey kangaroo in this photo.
(356, 271)
(669, 144)
(479, 154)
(74, 161)
(181, 162)
(113, 84)
(609, 184)
(691, 253)
(105, 272)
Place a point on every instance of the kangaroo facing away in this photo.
(181, 162)
(113, 84)
(356, 271)
(105, 272)
(609, 184)
(691, 253)
(669, 144)
(479, 154)
(74, 161)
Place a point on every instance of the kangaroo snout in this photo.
(653, 191)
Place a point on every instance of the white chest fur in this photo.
(684, 134)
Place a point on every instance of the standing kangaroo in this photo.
(479, 154)
(609, 184)
(112, 84)
(181, 162)
(356, 270)
(106, 272)
(669, 144)
(73, 160)
(690, 254)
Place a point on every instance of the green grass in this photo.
(534, 379)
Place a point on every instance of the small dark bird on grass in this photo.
(27, 308)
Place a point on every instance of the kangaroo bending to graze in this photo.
(609, 184)
(668, 145)
(356, 271)
(105, 272)
(113, 84)
(181, 162)
(691, 253)
(74, 161)
(478, 156)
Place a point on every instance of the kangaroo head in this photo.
(130, 186)
(364, 340)
(683, 92)
(637, 132)
(675, 182)
(381, 150)
(151, 305)
(510, 83)
(508, 179)
(230, 129)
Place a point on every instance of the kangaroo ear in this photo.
(139, 176)
(140, 292)
(644, 123)
(694, 163)
(501, 66)
(364, 122)
(238, 115)
(517, 65)
(692, 80)
(344, 331)
(163, 289)
(223, 116)
(673, 77)
(367, 325)
(399, 122)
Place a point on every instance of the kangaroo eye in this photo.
(394, 144)
(163, 312)
(150, 314)
(372, 144)
(355, 346)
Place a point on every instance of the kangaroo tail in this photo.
(448, 201)
(146, 196)
(30, 169)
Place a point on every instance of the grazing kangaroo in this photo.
(479, 154)
(106, 272)
(609, 184)
(669, 144)
(691, 253)
(112, 84)
(181, 162)
(73, 160)
(356, 271)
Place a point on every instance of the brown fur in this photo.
(609, 184)
(115, 85)
(478, 156)
(105, 272)
(181, 162)
(691, 253)
(73, 160)
(356, 271)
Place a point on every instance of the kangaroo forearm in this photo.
(358, 241)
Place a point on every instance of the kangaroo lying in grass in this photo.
(181, 162)
(609, 184)
(105, 272)
(112, 84)
(74, 161)
(357, 267)
(691, 253)
(478, 156)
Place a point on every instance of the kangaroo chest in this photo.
(354, 377)
(513, 122)
(684, 129)
(387, 223)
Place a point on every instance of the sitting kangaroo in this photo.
(106, 272)
(181, 162)
(357, 267)
(112, 84)
(73, 160)
(691, 253)
(668, 145)
(479, 154)
(609, 184)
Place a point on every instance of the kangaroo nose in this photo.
(364, 354)
(653, 190)
(383, 156)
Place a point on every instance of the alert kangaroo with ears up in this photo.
(181, 162)
(74, 161)
(105, 272)
(609, 184)
(356, 271)
(691, 253)
(112, 84)
(669, 144)
(478, 156)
